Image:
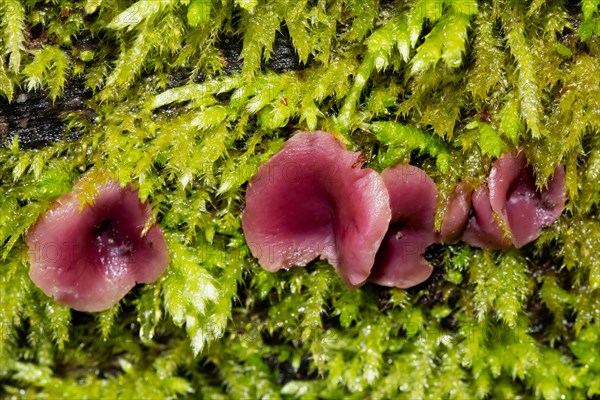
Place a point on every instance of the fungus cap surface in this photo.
(89, 259)
(312, 199)
(482, 229)
(400, 261)
(516, 200)
(457, 213)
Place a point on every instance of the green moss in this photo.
(449, 86)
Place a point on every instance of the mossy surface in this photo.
(446, 85)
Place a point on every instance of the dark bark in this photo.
(39, 122)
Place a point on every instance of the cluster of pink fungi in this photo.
(313, 199)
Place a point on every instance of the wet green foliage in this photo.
(447, 85)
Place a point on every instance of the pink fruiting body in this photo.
(88, 259)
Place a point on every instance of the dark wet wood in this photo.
(38, 122)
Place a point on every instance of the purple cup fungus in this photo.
(400, 261)
(482, 228)
(516, 200)
(88, 259)
(457, 213)
(312, 199)
(510, 202)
